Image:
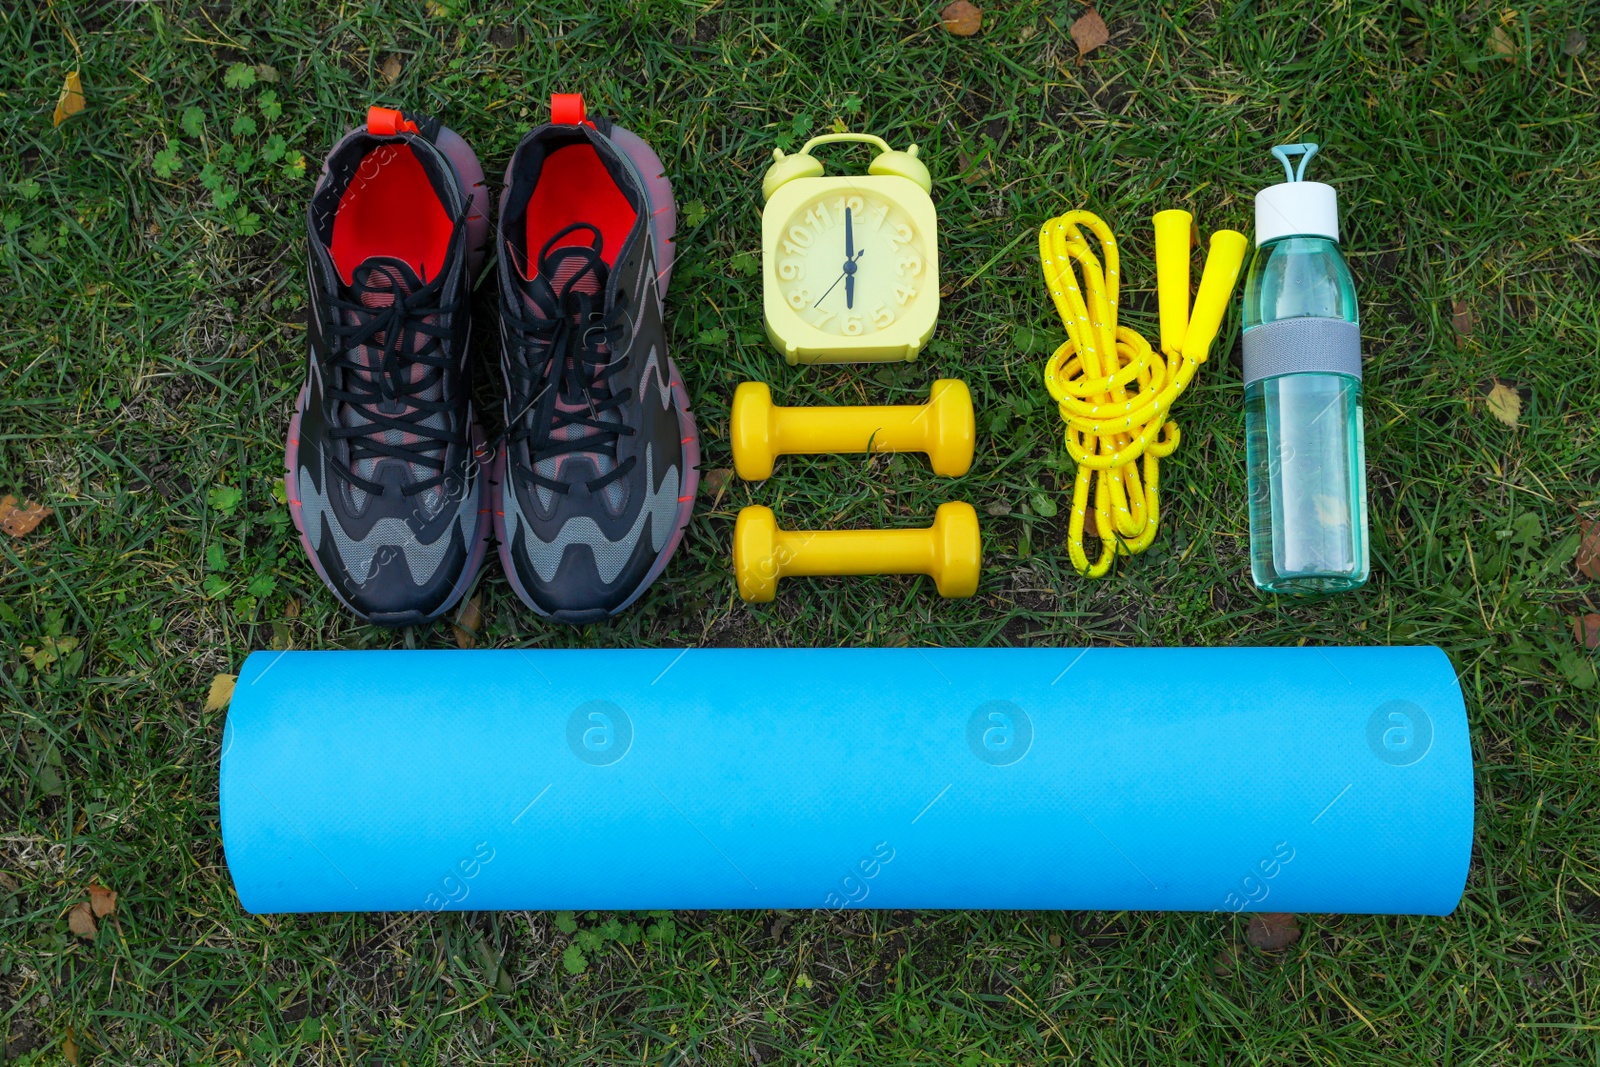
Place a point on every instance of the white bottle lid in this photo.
(1296, 208)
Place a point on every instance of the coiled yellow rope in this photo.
(1114, 392)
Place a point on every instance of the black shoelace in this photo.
(386, 390)
(567, 355)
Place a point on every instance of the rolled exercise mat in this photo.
(1275, 779)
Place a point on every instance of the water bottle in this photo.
(1302, 393)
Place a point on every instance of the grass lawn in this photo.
(152, 257)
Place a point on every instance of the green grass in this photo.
(151, 274)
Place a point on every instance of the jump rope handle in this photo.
(1185, 331)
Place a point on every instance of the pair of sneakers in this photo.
(394, 488)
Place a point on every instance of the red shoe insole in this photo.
(574, 186)
(391, 210)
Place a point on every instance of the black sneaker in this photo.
(384, 454)
(597, 473)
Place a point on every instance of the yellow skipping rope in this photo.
(1113, 391)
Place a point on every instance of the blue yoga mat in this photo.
(1254, 779)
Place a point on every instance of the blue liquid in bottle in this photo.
(1303, 423)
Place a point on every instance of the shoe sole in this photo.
(469, 173)
(663, 229)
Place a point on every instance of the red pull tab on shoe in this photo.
(386, 122)
(566, 109)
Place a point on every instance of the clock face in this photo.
(852, 264)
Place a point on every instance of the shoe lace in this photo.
(377, 347)
(566, 350)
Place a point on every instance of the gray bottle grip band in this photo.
(1298, 346)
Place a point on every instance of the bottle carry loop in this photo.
(1304, 151)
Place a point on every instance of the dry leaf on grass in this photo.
(221, 691)
(69, 1047)
(1461, 320)
(974, 172)
(80, 920)
(1089, 32)
(1272, 931)
(390, 69)
(714, 483)
(1503, 402)
(1500, 42)
(961, 19)
(1586, 628)
(71, 100)
(19, 520)
(102, 901)
(469, 620)
(1588, 559)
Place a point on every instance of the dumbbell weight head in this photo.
(752, 430)
(955, 432)
(754, 567)
(957, 549)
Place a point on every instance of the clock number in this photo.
(902, 236)
(904, 293)
(852, 325)
(800, 236)
(824, 316)
(882, 316)
(791, 270)
(908, 265)
(853, 204)
(799, 298)
(877, 213)
(817, 218)
(792, 249)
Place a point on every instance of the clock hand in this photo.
(849, 269)
(849, 237)
(831, 288)
(850, 290)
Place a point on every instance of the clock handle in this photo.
(835, 138)
(902, 164)
(802, 164)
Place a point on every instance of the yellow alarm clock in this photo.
(850, 265)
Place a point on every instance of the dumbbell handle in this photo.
(943, 427)
(821, 431)
(817, 552)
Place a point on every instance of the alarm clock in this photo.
(850, 265)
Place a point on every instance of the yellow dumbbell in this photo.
(950, 551)
(943, 428)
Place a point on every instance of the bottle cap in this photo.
(1296, 207)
